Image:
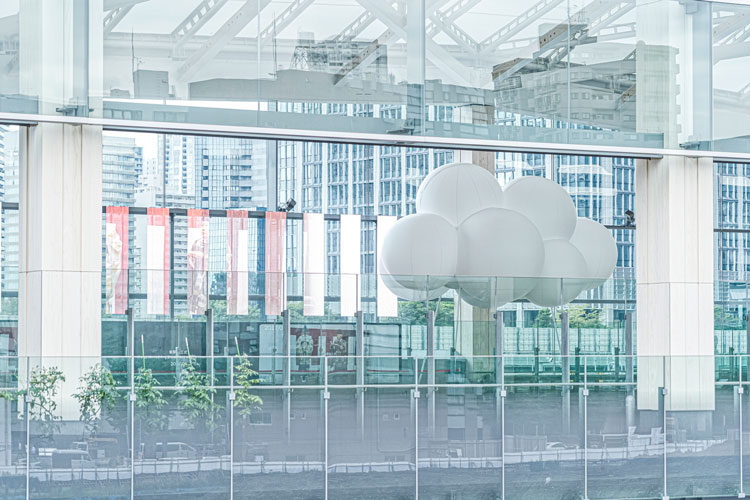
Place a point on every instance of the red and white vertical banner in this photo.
(237, 262)
(197, 261)
(275, 262)
(314, 262)
(157, 261)
(116, 261)
(387, 302)
(350, 241)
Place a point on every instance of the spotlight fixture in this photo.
(629, 218)
(288, 205)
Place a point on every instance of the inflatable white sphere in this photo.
(458, 190)
(419, 251)
(488, 292)
(498, 243)
(563, 276)
(544, 203)
(599, 249)
(404, 293)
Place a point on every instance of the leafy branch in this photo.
(198, 404)
(96, 393)
(246, 402)
(149, 401)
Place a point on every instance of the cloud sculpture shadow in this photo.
(495, 245)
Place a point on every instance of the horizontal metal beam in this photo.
(417, 141)
(398, 140)
(214, 213)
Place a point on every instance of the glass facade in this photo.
(246, 348)
(663, 74)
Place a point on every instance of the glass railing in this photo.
(247, 312)
(375, 426)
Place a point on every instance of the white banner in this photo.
(157, 261)
(387, 303)
(237, 262)
(314, 248)
(349, 263)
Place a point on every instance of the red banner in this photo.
(157, 261)
(275, 262)
(237, 262)
(116, 282)
(197, 261)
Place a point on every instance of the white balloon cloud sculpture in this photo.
(495, 245)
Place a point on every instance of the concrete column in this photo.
(60, 262)
(476, 330)
(60, 266)
(60, 219)
(674, 252)
(478, 115)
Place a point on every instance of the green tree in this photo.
(198, 403)
(581, 317)
(296, 311)
(543, 319)
(42, 392)
(97, 394)
(219, 308)
(246, 377)
(415, 313)
(149, 402)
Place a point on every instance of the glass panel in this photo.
(278, 445)
(182, 438)
(731, 83)
(78, 434)
(622, 447)
(544, 445)
(460, 443)
(371, 447)
(703, 441)
(12, 428)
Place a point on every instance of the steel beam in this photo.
(289, 14)
(249, 10)
(113, 18)
(196, 20)
(458, 35)
(518, 24)
(355, 27)
(439, 56)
